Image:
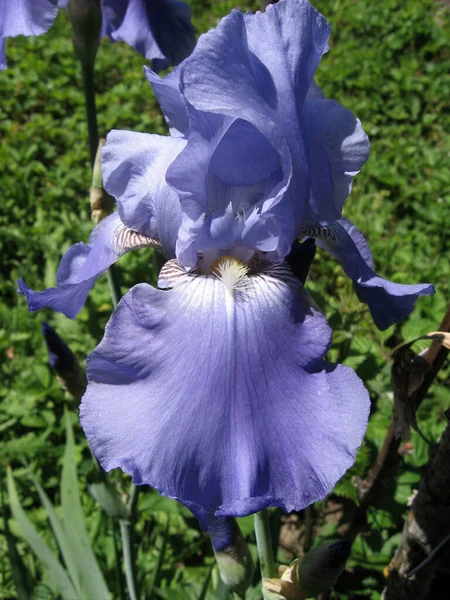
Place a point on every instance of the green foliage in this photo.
(388, 63)
(83, 577)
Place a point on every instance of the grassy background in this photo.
(389, 63)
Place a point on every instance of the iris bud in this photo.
(86, 18)
(232, 555)
(102, 204)
(311, 575)
(63, 361)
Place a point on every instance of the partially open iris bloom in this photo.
(160, 30)
(214, 389)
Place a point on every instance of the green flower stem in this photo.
(264, 544)
(309, 527)
(127, 534)
(91, 109)
(126, 525)
(113, 287)
(132, 499)
(120, 583)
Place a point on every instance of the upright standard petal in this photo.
(388, 302)
(24, 17)
(225, 173)
(259, 68)
(160, 30)
(168, 94)
(134, 168)
(226, 403)
(83, 264)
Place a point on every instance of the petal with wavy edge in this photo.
(83, 264)
(388, 302)
(134, 169)
(259, 68)
(337, 147)
(159, 29)
(225, 403)
(24, 17)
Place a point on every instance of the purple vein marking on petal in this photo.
(83, 263)
(236, 384)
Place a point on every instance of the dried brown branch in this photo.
(427, 525)
(388, 460)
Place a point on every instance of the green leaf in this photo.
(246, 525)
(42, 592)
(57, 573)
(159, 564)
(184, 593)
(205, 585)
(7, 424)
(153, 503)
(21, 576)
(379, 518)
(33, 421)
(93, 583)
(106, 495)
(406, 483)
(346, 489)
(61, 537)
(43, 375)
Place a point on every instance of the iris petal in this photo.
(168, 94)
(134, 167)
(259, 68)
(388, 302)
(226, 169)
(83, 264)
(337, 147)
(159, 29)
(24, 17)
(226, 403)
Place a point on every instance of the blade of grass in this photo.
(159, 564)
(60, 536)
(20, 575)
(204, 589)
(93, 583)
(57, 573)
(22, 579)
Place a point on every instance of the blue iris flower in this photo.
(160, 30)
(214, 389)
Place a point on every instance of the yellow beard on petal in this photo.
(232, 272)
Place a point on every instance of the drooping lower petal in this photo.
(83, 264)
(388, 302)
(225, 403)
(24, 17)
